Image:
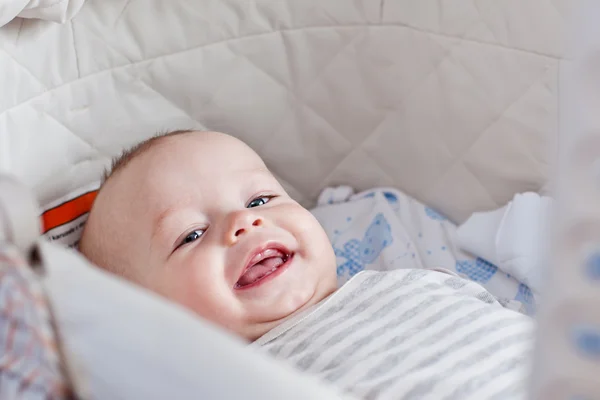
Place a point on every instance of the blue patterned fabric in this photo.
(359, 253)
(433, 214)
(525, 296)
(384, 229)
(477, 270)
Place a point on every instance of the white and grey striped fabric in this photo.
(410, 334)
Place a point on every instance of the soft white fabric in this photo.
(384, 229)
(19, 222)
(453, 102)
(126, 343)
(335, 194)
(512, 237)
(410, 334)
(477, 234)
(51, 10)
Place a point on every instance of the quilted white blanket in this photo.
(50, 10)
(453, 103)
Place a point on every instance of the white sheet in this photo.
(513, 237)
(384, 229)
(50, 10)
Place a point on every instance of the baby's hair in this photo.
(119, 162)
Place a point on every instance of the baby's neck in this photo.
(310, 306)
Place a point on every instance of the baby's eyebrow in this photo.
(159, 224)
(258, 171)
(257, 176)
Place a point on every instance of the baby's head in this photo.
(198, 218)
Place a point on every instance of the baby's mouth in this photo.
(262, 265)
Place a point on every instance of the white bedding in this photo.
(454, 103)
(50, 10)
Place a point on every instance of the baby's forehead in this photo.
(182, 165)
(222, 152)
(162, 183)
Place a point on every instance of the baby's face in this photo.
(199, 219)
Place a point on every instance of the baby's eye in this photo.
(192, 236)
(259, 201)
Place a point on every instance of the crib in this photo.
(455, 104)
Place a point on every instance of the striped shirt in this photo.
(410, 334)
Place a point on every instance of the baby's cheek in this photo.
(309, 232)
(199, 291)
(193, 281)
(310, 227)
(299, 217)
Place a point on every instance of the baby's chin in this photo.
(254, 331)
(294, 306)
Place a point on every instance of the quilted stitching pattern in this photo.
(454, 104)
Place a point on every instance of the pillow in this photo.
(64, 218)
(123, 342)
(51, 10)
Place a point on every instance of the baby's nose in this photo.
(241, 231)
(242, 223)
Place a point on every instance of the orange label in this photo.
(68, 211)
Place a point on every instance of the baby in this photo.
(198, 218)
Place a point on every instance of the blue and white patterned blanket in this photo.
(384, 229)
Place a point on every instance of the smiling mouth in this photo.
(262, 265)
